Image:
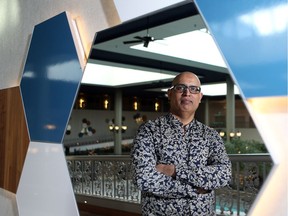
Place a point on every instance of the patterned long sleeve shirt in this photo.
(200, 158)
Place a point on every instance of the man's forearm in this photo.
(167, 169)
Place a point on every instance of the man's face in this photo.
(184, 102)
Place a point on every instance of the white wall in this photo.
(130, 9)
(8, 204)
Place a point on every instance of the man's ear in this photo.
(169, 94)
(201, 95)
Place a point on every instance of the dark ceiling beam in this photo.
(166, 15)
(169, 14)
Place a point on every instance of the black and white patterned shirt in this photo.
(200, 158)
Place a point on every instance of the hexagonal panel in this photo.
(50, 80)
(252, 36)
(253, 39)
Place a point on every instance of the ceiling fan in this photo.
(144, 39)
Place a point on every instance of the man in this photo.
(178, 161)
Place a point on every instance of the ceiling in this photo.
(108, 47)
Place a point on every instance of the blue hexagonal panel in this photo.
(50, 80)
(252, 36)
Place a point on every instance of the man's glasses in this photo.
(180, 88)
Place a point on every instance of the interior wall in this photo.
(18, 19)
(14, 138)
(98, 121)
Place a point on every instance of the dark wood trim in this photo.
(14, 138)
(92, 209)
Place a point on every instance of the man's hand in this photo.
(167, 169)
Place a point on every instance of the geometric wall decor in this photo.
(50, 80)
(45, 186)
(253, 39)
(252, 36)
(86, 129)
(8, 205)
(49, 85)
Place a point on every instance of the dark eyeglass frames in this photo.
(180, 88)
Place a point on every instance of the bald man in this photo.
(178, 161)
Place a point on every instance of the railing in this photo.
(248, 175)
(110, 177)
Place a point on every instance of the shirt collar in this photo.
(176, 122)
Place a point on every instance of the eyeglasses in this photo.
(180, 88)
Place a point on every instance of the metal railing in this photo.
(110, 177)
(248, 175)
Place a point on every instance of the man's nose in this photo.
(186, 91)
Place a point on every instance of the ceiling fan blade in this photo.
(146, 39)
(140, 38)
(132, 41)
(146, 43)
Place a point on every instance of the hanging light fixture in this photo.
(135, 104)
(82, 103)
(106, 102)
(156, 105)
(222, 134)
(232, 134)
(116, 128)
(238, 134)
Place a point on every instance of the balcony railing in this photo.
(110, 177)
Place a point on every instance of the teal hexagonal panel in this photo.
(50, 80)
(252, 36)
